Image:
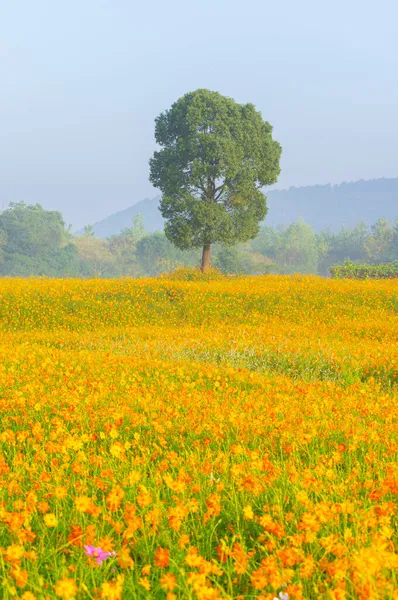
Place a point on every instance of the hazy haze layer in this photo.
(83, 81)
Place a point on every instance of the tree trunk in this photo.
(206, 257)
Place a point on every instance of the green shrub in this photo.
(351, 270)
(193, 274)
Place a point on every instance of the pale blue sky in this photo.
(83, 80)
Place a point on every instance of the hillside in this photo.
(113, 224)
(335, 206)
(320, 206)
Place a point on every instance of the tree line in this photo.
(36, 242)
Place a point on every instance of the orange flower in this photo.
(162, 557)
(143, 497)
(240, 558)
(146, 569)
(76, 536)
(193, 559)
(222, 553)
(43, 507)
(20, 575)
(168, 582)
(114, 498)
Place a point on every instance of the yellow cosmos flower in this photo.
(14, 552)
(248, 513)
(50, 520)
(66, 588)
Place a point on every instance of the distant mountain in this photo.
(335, 206)
(148, 208)
(320, 206)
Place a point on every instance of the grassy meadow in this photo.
(166, 439)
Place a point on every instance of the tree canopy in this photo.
(31, 230)
(34, 241)
(215, 157)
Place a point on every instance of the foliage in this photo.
(123, 248)
(97, 259)
(193, 274)
(65, 261)
(156, 254)
(240, 260)
(251, 458)
(34, 241)
(392, 251)
(215, 156)
(3, 242)
(348, 244)
(378, 244)
(296, 250)
(350, 270)
(267, 241)
(31, 230)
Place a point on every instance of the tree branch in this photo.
(221, 188)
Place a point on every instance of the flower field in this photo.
(199, 440)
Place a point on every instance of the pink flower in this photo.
(98, 553)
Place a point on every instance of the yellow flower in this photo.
(50, 520)
(82, 503)
(248, 513)
(66, 588)
(60, 492)
(14, 552)
(28, 596)
(144, 581)
(112, 590)
(114, 434)
(116, 450)
(134, 477)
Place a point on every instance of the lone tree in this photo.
(215, 157)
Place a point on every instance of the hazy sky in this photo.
(81, 82)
